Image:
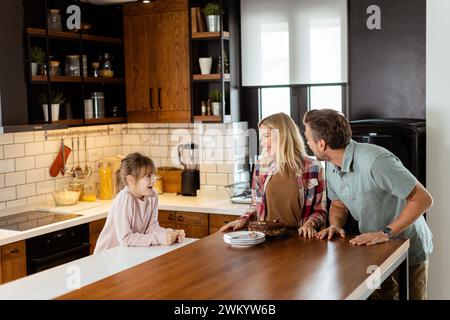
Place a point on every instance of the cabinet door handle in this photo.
(171, 217)
(226, 221)
(15, 251)
(180, 218)
(159, 99)
(151, 98)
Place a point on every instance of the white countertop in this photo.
(62, 279)
(206, 202)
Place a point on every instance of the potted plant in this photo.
(37, 57)
(212, 15)
(56, 99)
(215, 96)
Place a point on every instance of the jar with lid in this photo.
(106, 69)
(89, 193)
(106, 181)
(72, 66)
(54, 20)
(98, 101)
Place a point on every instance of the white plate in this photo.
(243, 235)
(244, 244)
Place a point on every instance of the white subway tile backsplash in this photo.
(54, 146)
(107, 152)
(102, 141)
(218, 179)
(22, 137)
(25, 163)
(35, 175)
(26, 190)
(6, 138)
(2, 180)
(34, 148)
(45, 187)
(202, 178)
(44, 161)
(13, 150)
(159, 151)
(7, 165)
(14, 178)
(39, 136)
(225, 168)
(8, 194)
(36, 199)
(211, 167)
(1, 152)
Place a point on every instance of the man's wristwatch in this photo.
(388, 232)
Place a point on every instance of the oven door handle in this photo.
(60, 254)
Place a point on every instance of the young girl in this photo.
(133, 217)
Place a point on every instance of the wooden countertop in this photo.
(293, 268)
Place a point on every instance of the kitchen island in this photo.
(292, 268)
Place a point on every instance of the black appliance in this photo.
(56, 248)
(402, 136)
(190, 177)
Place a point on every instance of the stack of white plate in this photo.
(244, 238)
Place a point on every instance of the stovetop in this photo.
(33, 219)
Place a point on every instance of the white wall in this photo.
(438, 143)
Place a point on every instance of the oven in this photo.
(56, 248)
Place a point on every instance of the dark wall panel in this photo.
(387, 66)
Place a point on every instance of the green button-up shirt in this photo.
(373, 184)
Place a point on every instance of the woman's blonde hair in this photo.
(135, 165)
(291, 147)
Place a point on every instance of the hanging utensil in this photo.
(71, 171)
(79, 174)
(87, 169)
(63, 167)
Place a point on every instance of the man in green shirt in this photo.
(381, 194)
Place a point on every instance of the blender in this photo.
(190, 177)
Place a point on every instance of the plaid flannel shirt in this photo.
(311, 186)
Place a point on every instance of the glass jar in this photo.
(106, 69)
(95, 69)
(77, 185)
(89, 194)
(106, 181)
(72, 66)
(54, 20)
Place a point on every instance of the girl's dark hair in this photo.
(329, 125)
(135, 165)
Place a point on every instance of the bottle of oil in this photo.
(106, 181)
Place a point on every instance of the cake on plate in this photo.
(272, 228)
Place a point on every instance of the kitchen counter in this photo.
(294, 268)
(62, 279)
(205, 202)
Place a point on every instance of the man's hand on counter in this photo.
(370, 238)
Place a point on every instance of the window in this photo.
(325, 97)
(274, 100)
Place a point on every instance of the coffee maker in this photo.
(190, 177)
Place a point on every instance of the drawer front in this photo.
(217, 221)
(95, 227)
(14, 261)
(194, 224)
(167, 219)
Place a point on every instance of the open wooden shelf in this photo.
(69, 122)
(105, 120)
(72, 35)
(211, 77)
(90, 80)
(210, 35)
(207, 118)
(103, 80)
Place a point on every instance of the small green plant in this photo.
(211, 9)
(37, 55)
(55, 98)
(215, 95)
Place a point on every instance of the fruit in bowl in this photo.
(66, 198)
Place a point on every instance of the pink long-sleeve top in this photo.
(132, 222)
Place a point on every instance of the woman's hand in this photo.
(330, 232)
(236, 224)
(181, 235)
(307, 230)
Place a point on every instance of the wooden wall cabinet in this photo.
(95, 227)
(157, 62)
(13, 261)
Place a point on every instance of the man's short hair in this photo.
(329, 125)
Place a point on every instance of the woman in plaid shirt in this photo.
(287, 185)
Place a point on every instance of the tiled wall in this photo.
(25, 158)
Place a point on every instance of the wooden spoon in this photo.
(79, 174)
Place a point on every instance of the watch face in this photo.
(387, 231)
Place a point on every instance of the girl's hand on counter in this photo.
(307, 230)
(172, 236)
(181, 235)
(236, 224)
